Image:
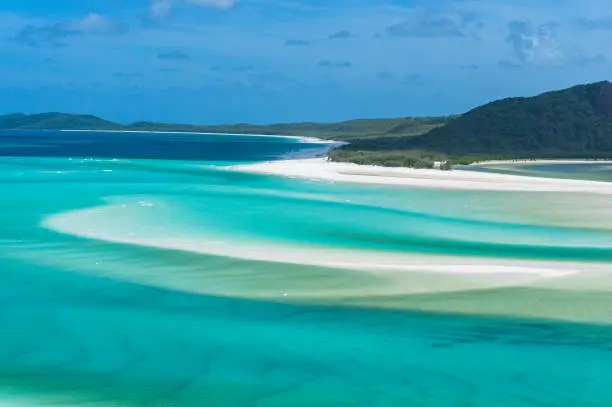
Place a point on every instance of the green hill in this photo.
(55, 121)
(575, 122)
(352, 129)
(572, 121)
(347, 130)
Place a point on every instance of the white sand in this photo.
(322, 169)
(358, 277)
(95, 223)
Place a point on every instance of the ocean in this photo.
(141, 269)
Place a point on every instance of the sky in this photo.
(266, 61)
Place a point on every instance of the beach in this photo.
(323, 169)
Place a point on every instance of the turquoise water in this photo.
(143, 272)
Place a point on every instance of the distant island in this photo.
(570, 123)
(343, 131)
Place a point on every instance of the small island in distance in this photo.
(570, 123)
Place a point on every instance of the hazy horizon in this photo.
(255, 61)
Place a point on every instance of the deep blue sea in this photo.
(141, 269)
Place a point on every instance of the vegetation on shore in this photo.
(571, 123)
(575, 121)
(399, 158)
(342, 131)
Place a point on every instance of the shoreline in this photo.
(300, 138)
(539, 161)
(324, 170)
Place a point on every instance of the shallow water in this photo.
(595, 171)
(133, 273)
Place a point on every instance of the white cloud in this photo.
(221, 4)
(534, 43)
(94, 24)
(422, 24)
(161, 9)
(542, 44)
(56, 34)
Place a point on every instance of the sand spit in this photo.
(322, 169)
(302, 139)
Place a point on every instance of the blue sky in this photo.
(262, 61)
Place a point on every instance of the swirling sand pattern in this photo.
(162, 283)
